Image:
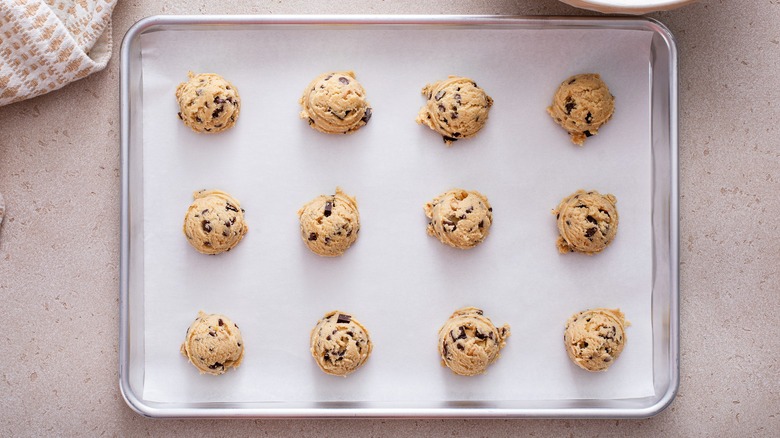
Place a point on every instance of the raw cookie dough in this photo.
(214, 223)
(213, 343)
(330, 223)
(582, 104)
(459, 218)
(340, 344)
(208, 102)
(587, 222)
(595, 338)
(335, 103)
(456, 108)
(469, 342)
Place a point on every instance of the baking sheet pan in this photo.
(395, 277)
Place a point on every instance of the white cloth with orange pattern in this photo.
(46, 44)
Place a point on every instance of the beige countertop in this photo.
(59, 245)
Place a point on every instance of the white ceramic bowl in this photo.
(635, 7)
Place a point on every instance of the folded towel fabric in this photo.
(47, 44)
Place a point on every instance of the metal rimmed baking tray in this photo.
(273, 158)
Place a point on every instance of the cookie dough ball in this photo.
(595, 338)
(587, 222)
(340, 344)
(459, 218)
(335, 103)
(213, 344)
(214, 223)
(456, 108)
(582, 104)
(208, 102)
(469, 342)
(330, 223)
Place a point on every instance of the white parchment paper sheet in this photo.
(399, 282)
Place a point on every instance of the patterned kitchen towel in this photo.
(46, 44)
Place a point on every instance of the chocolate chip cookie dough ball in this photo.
(330, 223)
(208, 102)
(456, 108)
(595, 338)
(214, 223)
(335, 103)
(469, 342)
(587, 222)
(459, 218)
(581, 105)
(340, 344)
(213, 344)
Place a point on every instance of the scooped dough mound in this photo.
(581, 105)
(456, 108)
(587, 222)
(214, 223)
(595, 338)
(459, 218)
(340, 344)
(330, 223)
(335, 103)
(208, 102)
(469, 342)
(213, 343)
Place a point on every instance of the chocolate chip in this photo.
(328, 338)
(607, 359)
(212, 333)
(490, 209)
(349, 233)
(204, 211)
(589, 118)
(180, 116)
(454, 115)
(460, 347)
(231, 207)
(227, 224)
(344, 80)
(225, 233)
(312, 236)
(327, 240)
(449, 138)
(238, 344)
(588, 134)
(470, 209)
(367, 116)
(219, 100)
(328, 77)
(343, 319)
(216, 112)
(570, 106)
(328, 209)
(591, 231)
(479, 335)
(481, 224)
(572, 81)
(457, 97)
(232, 220)
(207, 129)
(218, 126)
(311, 121)
(206, 226)
(220, 322)
(591, 220)
(326, 357)
(197, 119)
(442, 108)
(207, 243)
(456, 134)
(463, 216)
(440, 94)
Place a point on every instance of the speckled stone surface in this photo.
(59, 244)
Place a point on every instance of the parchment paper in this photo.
(399, 282)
